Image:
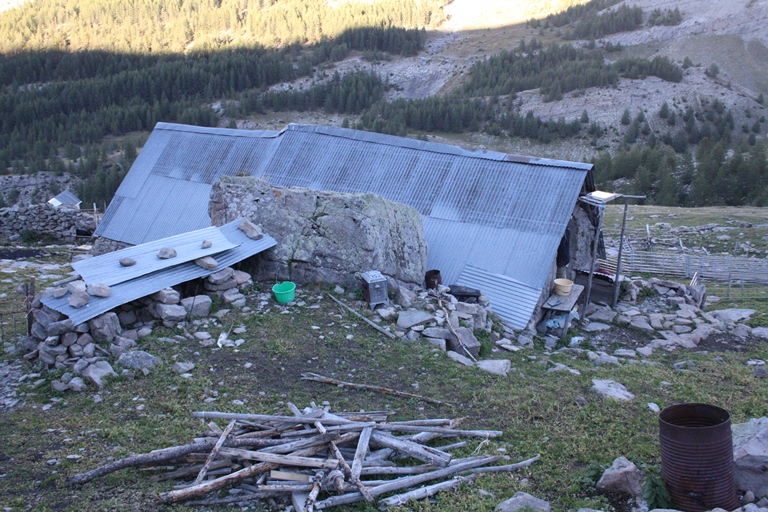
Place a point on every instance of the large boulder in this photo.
(325, 236)
(622, 476)
(750, 454)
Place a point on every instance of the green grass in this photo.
(536, 410)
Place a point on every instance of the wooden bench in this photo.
(557, 304)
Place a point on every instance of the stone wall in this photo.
(325, 236)
(43, 218)
(33, 188)
(104, 245)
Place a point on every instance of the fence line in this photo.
(715, 268)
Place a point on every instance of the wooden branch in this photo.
(508, 467)
(352, 478)
(418, 451)
(282, 460)
(369, 322)
(368, 387)
(238, 476)
(312, 498)
(402, 483)
(308, 419)
(424, 492)
(361, 451)
(450, 326)
(214, 452)
(140, 460)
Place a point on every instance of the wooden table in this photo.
(557, 304)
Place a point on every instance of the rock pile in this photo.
(44, 218)
(85, 348)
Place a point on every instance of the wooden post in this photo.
(598, 230)
(30, 297)
(617, 282)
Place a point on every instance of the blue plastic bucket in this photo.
(284, 292)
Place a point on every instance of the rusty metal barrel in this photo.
(432, 279)
(697, 457)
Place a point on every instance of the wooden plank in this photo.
(415, 450)
(283, 460)
(362, 451)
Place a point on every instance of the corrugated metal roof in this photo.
(510, 299)
(107, 269)
(66, 197)
(150, 283)
(503, 214)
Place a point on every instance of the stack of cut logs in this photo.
(314, 458)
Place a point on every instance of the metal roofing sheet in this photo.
(108, 270)
(510, 299)
(148, 284)
(66, 197)
(502, 213)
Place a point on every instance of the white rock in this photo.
(611, 389)
(495, 366)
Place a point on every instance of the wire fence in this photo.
(14, 310)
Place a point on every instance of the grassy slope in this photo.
(536, 409)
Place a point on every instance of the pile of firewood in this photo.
(314, 458)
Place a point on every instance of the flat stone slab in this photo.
(460, 358)
(732, 315)
(596, 327)
(523, 501)
(611, 389)
(410, 317)
(605, 315)
(495, 366)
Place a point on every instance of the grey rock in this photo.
(226, 285)
(146, 330)
(611, 389)
(57, 385)
(98, 290)
(645, 351)
(750, 454)
(82, 328)
(127, 262)
(76, 351)
(38, 331)
(43, 318)
(622, 476)
(495, 366)
(760, 372)
(732, 315)
(386, 313)
(242, 278)
(338, 290)
(222, 276)
(77, 384)
(741, 331)
(410, 317)
(596, 327)
(69, 338)
(89, 350)
(127, 317)
(438, 342)
(180, 367)
(76, 285)
(405, 297)
(104, 327)
(550, 342)
(412, 335)
(232, 295)
(523, 501)
(525, 341)
(208, 263)
(167, 296)
(81, 365)
(604, 358)
(84, 339)
(625, 352)
(466, 342)
(436, 332)
(166, 253)
(681, 329)
(748, 497)
(171, 312)
(207, 244)
(760, 332)
(250, 229)
(57, 328)
(116, 351)
(78, 299)
(460, 358)
(604, 314)
(138, 359)
(58, 293)
(641, 323)
(98, 371)
(684, 365)
(197, 306)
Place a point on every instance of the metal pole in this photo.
(598, 230)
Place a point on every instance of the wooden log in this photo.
(424, 492)
(263, 417)
(508, 467)
(282, 460)
(312, 498)
(362, 451)
(140, 460)
(415, 450)
(238, 476)
(369, 322)
(290, 476)
(445, 432)
(191, 470)
(214, 452)
(402, 483)
(352, 478)
(368, 387)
